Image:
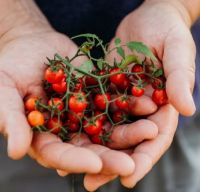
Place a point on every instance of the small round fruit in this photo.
(92, 127)
(72, 126)
(97, 139)
(124, 85)
(159, 96)
(90, 81)
(75, 117)
(54, 76)
(78, 102)
(100, 100)
(56, 104)
(35, 118)
(158, 83)
(79, 85)
(137, 68)
(54, 125)
(60, 87)
(137, 91)
(30, 103)
(101, 117)
(117, 79)
(122, 103)
(118, 116)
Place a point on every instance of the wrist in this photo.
(17, 16)
(183, 8)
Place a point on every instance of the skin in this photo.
(32, 39)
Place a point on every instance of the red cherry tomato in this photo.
(137, 68)
(100, 101)
(60, 87)
(72, 126)
(54, 76)
(118, 116)
(137, 91)
(122, 103)
(36, 118)
(75, 117)
(30, 103)
(54, 125)
(159, 96)
(79, 85)
(56, 104)
(97, 139)
(90, 81)
(158, 83)
(117, 79)
(124, 85)
(101, 117)
(78, 102)
(92, 127)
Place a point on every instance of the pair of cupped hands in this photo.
(136, 147)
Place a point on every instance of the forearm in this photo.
(189, 9)
(15, 13)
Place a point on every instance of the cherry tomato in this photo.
(97, 139)
(158, 83)
(78, 102)
(30, 103)
(36, 118)
(54, 125)
(159, 96)
(138, 69)
(101, 117)
(122, 103)
(90, 81)
(124, 85)
(137, 91)
(72, 126)
(117, 79)
(60, 87)
(75, 117)
(100, 101)
(79, 85)
(92, 127)
(118, 116)
(56, 104)
(54, 76)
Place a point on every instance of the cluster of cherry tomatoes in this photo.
(93, 102)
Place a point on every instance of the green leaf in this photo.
(128, 60)
(87, 66)
(158, 73)
(100, 64)
(120, 51)
(141, 48)
(117, 41)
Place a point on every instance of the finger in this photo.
(128, 135)
(93, 182)
(137, 107)
(111, 159)
(179, 67)
(13, 122)
(62, 173)
(148, 153)
(51, 152)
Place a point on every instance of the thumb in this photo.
(179, 67)
(13, 122)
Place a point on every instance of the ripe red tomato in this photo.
(30, 103)
(158, 83)
(122, 103)
(54, 76)
(159, 96)
(117, 79)
(54, 125)
(75, 117)
(90, 81)
(137, 91)
(124, 85)
(137, 68)
(60, 87)
(78, 102)
(79, 85)
(118, 116)
(72, 126)
(36, 118)
(56, 104)
(97, 139)
(100, 101)
(92, 127)
(101, 117)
